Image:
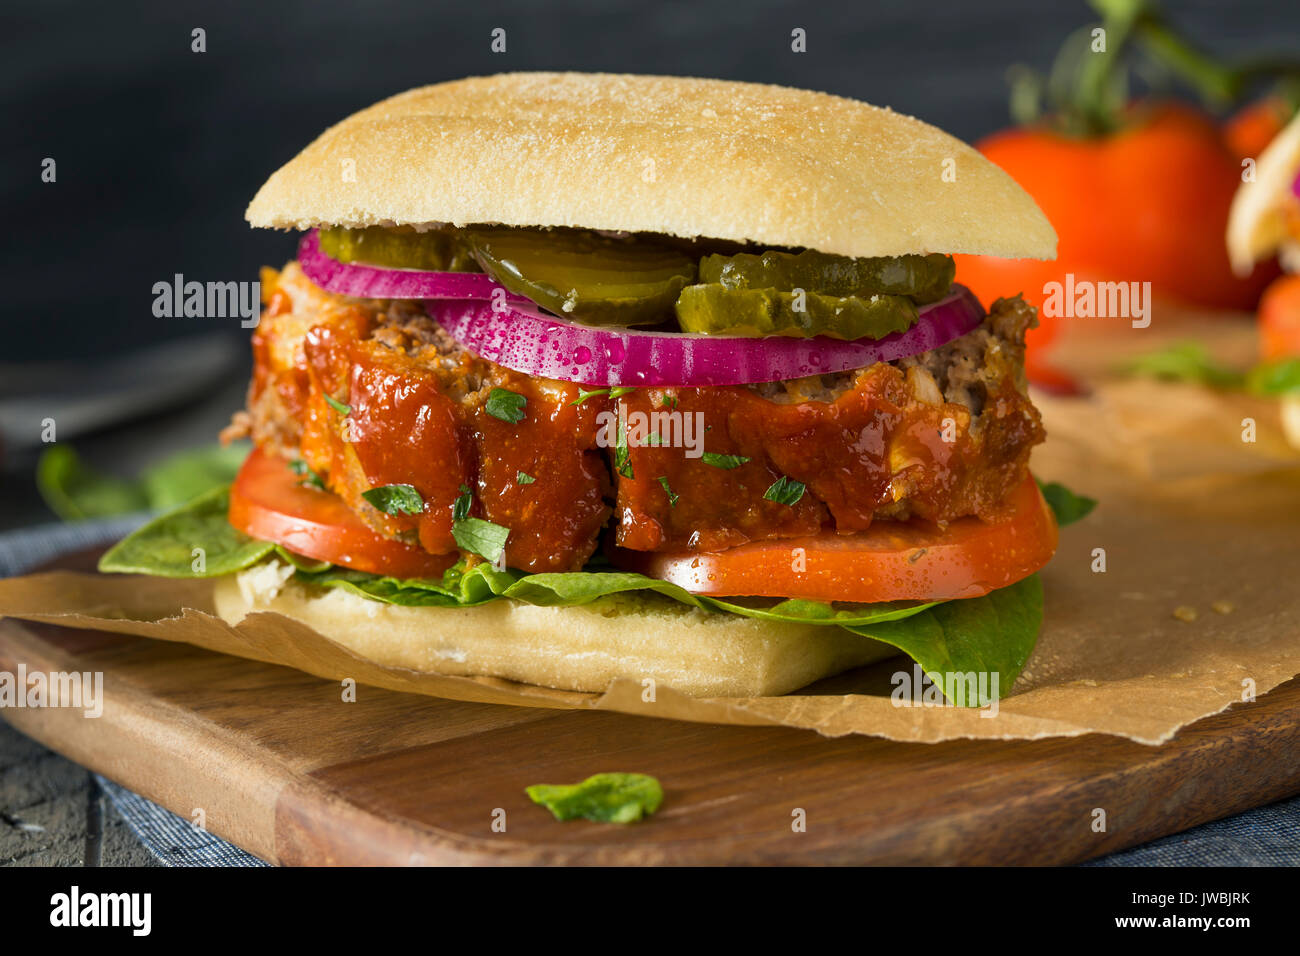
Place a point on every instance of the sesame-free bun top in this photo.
(684, 157)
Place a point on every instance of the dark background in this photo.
(159, 149)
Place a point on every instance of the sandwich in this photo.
(1265, 221)
(585, 377)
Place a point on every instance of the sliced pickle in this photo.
(923, 278)
(716, 310)
(439, 250)
(585, 276)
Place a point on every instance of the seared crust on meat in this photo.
(935, 436)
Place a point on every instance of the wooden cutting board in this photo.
(282, 766)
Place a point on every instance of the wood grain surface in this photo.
(281, 765)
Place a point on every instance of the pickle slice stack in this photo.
(716, 310)
(921, 278)
(594, 279)
(439, 250)
(811, 293)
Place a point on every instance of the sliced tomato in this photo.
(1279, 319)
(269, 502)
(890, 561)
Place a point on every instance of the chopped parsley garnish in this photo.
(460, 507)
(476, 535)
(785, 491)
(672, 498)
(524, 478)
(617, 391)
(338, 406)
(480, 537)
(506, 405)
(622, 458)
(669, 401)
(309, 478)
(654, 440)
(726, 462)
(395, 499)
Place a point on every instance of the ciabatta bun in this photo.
(580, 648)
(684, 157)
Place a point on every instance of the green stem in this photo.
(1215, 82)
(1098, 71)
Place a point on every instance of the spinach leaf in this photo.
(956, 641)
(194, 541)
(604, 797)
(1065, 504)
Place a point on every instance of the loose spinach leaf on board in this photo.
(603, 797)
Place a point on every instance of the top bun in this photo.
(1256, 225)
(684, 157)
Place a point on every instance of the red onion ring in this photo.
(525, 340)
(375, 282)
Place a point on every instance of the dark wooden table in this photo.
(52, 813)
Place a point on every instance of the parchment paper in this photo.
(1198, 607)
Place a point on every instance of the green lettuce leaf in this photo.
(1278, 377)
(461, 587)
(170, 546)
(1065, 504)
(604, 797)
(75, 491)
(1182, 362)
(994, 634)
(186, 475)
(1191, 362)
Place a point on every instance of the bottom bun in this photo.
(584, 648)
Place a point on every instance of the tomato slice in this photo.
(1279, 319)
(890, 561)
(269, 502)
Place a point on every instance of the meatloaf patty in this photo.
(372, 392)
